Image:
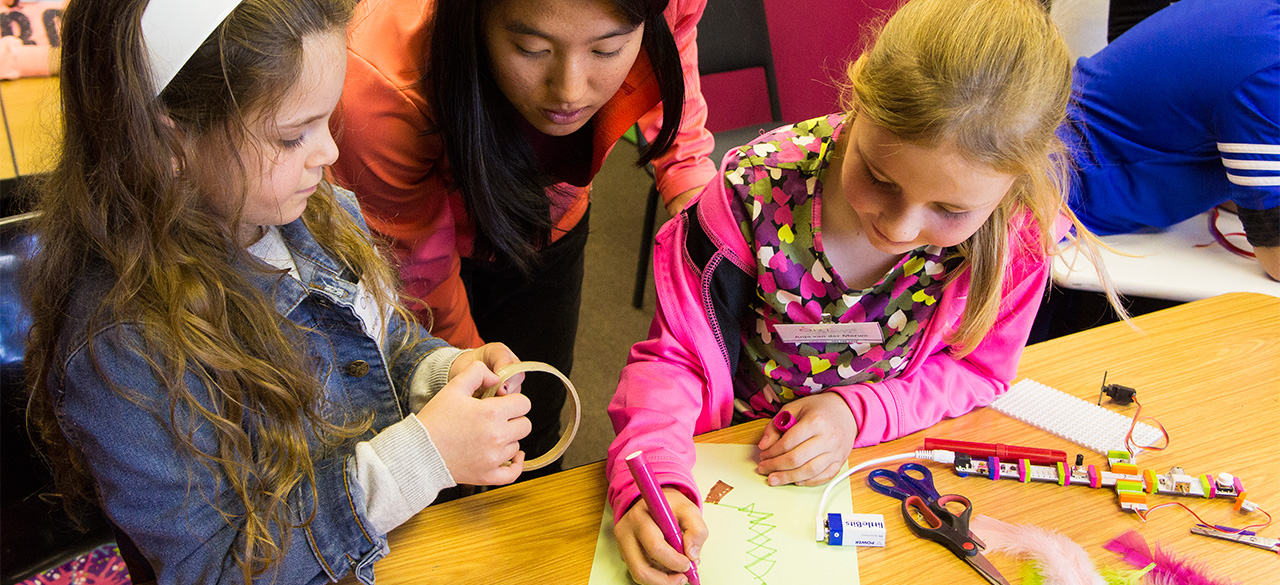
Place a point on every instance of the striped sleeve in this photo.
(1249, 141)
(1251, 165)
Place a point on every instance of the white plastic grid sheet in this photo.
(1079, 421)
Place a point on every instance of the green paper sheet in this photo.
(758, 534)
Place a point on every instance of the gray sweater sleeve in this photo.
(399, 468)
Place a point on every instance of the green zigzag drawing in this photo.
(761, 553)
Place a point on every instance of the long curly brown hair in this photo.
(130, 194)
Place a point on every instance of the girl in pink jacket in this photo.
(870, 272)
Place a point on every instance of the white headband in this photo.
(172, 30)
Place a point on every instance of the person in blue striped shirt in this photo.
(1179, 114)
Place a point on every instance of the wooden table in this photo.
(1208, 370)
(30, 126)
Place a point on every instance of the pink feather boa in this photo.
(1059, 559)
(1169, 569)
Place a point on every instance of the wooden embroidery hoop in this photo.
(563, 444)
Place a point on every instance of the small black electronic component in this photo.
(1122, 395)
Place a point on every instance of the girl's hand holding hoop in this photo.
(495, 356)
(477, 438)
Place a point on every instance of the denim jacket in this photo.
(161, 497)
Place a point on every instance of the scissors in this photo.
(931, 516)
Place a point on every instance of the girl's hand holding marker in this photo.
(807, 442)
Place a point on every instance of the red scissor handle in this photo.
(925, 523)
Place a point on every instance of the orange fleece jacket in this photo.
(401, 175)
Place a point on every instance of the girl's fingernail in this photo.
(773, 481)
(695, 552)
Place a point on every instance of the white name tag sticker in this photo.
(830, 332)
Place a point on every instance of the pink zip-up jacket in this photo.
(678, 383)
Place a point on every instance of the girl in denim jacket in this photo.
(218, 358)
(909, 238)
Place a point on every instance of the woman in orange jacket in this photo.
(471, 131)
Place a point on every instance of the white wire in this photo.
(934, 455)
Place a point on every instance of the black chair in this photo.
(732, 35)
(35, 534)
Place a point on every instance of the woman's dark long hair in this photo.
(504, 187)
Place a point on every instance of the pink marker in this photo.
(784, 421)
(658, 507)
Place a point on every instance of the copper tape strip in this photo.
(563, 444)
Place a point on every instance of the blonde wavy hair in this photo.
(991, 78)
(130, 196)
